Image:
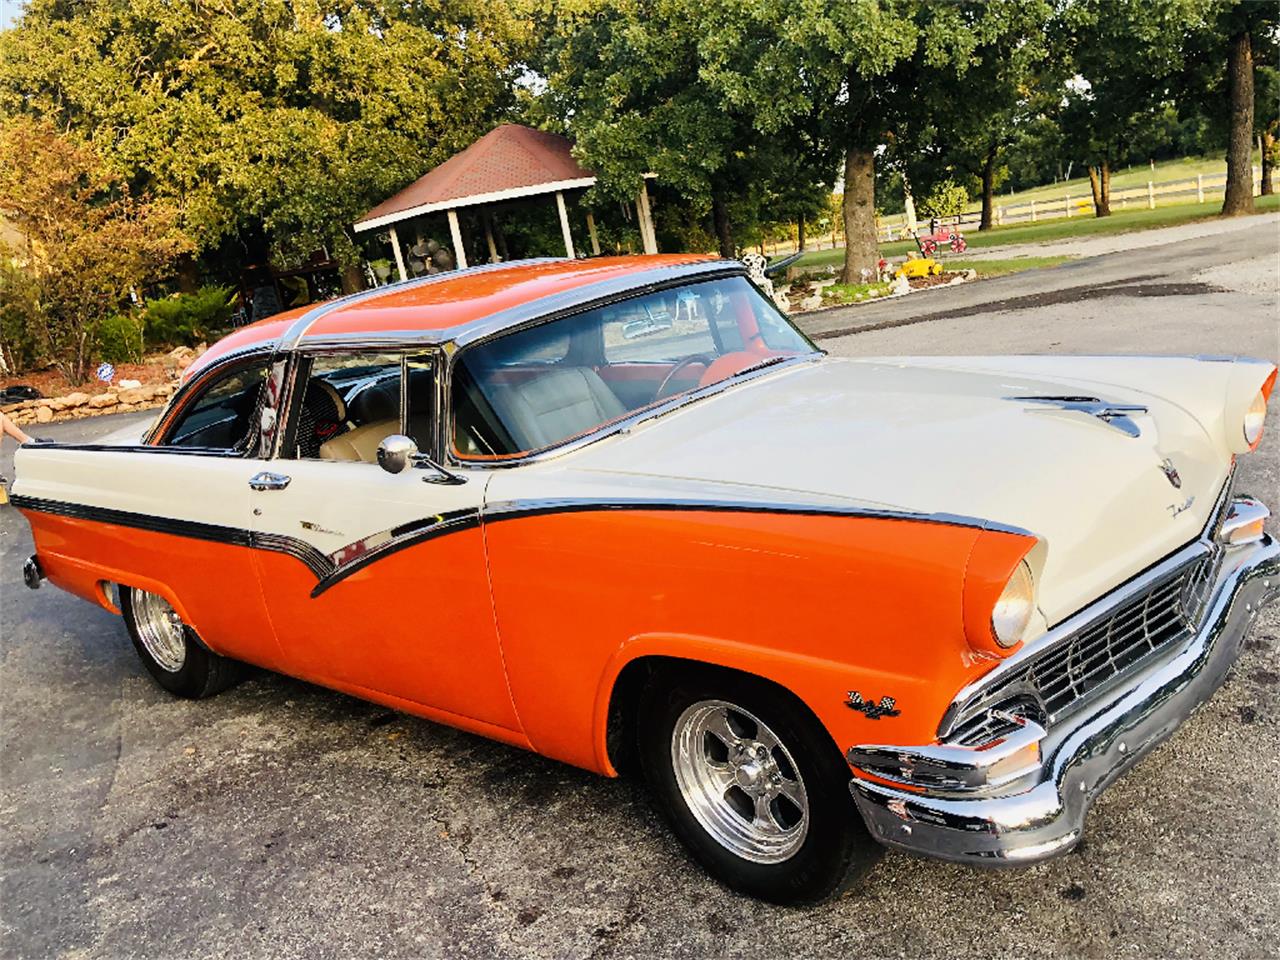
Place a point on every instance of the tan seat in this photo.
(359, 444)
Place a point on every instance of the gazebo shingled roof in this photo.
(507, 162)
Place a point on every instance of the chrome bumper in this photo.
(1041, 813)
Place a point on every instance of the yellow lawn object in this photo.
(919, 267)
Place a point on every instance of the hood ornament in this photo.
(1171, 473)
(1113, 414)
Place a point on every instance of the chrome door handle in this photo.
(266, 480)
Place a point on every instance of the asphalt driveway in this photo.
(284, 820)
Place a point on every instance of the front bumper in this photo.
(1083, 754)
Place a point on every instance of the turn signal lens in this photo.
(1254, 418)
(1012, 612)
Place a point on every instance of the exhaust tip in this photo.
(31, 572)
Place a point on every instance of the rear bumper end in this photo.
(1040, 810)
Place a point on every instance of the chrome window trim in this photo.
(1203, 546)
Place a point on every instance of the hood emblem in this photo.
(1171, 473)
(1113, 414)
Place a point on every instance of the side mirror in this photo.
(396, 452)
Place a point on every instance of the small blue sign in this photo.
(106, 372)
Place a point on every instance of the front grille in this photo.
(1095, 656)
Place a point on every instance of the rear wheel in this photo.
(170, 650)
(752, 785)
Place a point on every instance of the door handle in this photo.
(266, 480)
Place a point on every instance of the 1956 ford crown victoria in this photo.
(621, 512)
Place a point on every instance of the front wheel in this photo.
(752, 785)
(170, 650)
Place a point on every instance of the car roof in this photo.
(460, 305)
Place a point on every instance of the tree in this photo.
(846, 71)
(626, 79)
(87, 243)
(1125, 57)
(273, 122)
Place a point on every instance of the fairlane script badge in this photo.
(887, 707)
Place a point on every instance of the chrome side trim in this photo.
(515, 509)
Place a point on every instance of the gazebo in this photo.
(509, 162)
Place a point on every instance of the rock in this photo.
(137, 394)
(76, 399)
(10, 407)
(129, 384)
(103, 400)
(177, 353)
(43, 414)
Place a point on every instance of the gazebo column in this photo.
(591, 231)
(459, 255)
(488, 237)
(645, 216)
(395, 245)
(564, 225)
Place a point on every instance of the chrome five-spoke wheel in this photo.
(160, 630)
(172, 653)
(739, 781)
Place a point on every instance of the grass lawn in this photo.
(1121, 221)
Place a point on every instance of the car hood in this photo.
(953, 437)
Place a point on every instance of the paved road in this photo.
(283, 820)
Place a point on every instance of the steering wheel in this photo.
(703, 358)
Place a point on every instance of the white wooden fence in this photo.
(1201, 188)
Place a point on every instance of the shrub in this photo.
(946, 199)
(20, 317)
(120, 338)
(187, 318)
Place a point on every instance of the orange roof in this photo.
(439, 303)
(507, 162)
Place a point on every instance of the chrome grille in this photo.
(1096, 655)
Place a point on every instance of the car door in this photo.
(170, 515)
(392, 595)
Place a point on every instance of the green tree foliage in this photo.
(187, 318)
(88, 245)
(1126, 57)
(627, 79)
(287, 118)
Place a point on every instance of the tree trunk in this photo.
(988, 188)
(1100, 186)
(724, 229)
(800, 234)
(1268, 161)
(352, 279)
(861, 251)
(1238, 198)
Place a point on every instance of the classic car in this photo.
(623, 513)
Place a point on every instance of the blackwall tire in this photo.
(797, 837)
(171, 651)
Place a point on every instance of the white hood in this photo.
(949, 436)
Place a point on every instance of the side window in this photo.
(351, 402)
(222, 416)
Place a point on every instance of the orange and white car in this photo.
(622, 513)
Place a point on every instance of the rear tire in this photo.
(752, 785)
(171, 651)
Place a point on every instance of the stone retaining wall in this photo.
(121, 398)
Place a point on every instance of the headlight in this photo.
(1254, 418)
(1012, 612)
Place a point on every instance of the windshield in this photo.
(540, 386)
